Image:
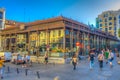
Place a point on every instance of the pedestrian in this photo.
(1, 68)
(74, 61)
(117, 55)
(24, 61)
(100, 59)
(111, 57)
(28, 62)
(91, 59)
(46, 58)
(106, 54)
(97, 52)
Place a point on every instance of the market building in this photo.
(55, 36)
(2, 22)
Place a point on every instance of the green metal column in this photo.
(64, 41)
(71, 40)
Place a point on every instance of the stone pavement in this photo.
(65, 72)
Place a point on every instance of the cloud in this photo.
(114, 5)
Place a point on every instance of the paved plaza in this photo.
(63, 71)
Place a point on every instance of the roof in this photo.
(10, 27)
(44, 21)
(54, 20)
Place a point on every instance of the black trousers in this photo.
(101, 63)
(74, 64)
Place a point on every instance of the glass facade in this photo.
(52, 38)
(67, 36)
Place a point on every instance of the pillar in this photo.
(64, 41)
(71, 40)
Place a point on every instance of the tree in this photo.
(119, 32)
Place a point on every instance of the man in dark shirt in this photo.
(91, 59)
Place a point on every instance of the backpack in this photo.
(91, 56)
(100, 57)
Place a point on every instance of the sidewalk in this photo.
(65, 72)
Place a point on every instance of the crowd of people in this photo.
(26, 61)
(105, 55)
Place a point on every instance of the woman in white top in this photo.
(111, 57)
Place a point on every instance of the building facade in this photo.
(58, 34)
(2, 18)
(109, 21)
(2, 22)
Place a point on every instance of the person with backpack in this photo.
(100, 59)
(111, 57)
(74, 61)
(91, 59)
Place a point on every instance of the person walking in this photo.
(111, 57)
(74, 61)
(106, 54)
(91, 59)
(28, 62)
(100, 59)
(24, 61)
(46, 58)
(117, 55)
(1, 68)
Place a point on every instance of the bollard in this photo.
(31, 63)
(26, 72)
(8, 69)
(17, 71)
(53, 63)
(38, 75)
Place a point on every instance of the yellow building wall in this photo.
(0, 43)
(108, 21)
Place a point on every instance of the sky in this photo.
(84, 11)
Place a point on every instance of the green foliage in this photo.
(119, 32)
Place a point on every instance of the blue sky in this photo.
(81, 10)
